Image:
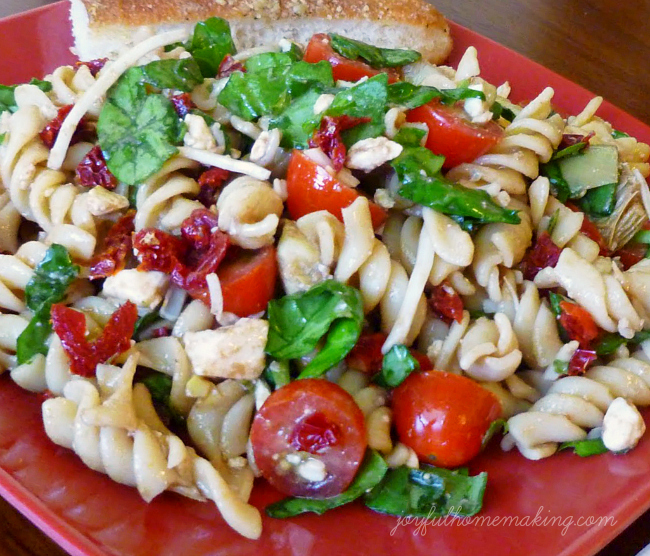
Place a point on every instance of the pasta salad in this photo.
(334, 266)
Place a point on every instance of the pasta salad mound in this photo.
(334, 266)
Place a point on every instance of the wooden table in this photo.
(601, 44)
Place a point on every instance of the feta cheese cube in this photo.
(623, 426)
(145, 289)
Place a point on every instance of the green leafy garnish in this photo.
(411, 96)
(48, 285)
(398, 363)
(8, 99)
(561, 367)
(372, 471)
(410, 136)
(160, 388)
(137, 131)
(418, 170)
(616, 134)
(183, 75)
(374, 56)
(498, 425)
(500, 111)
(278, 374)
(298, 322)
(610, 342)
(144, 322)
(600, 201)
(559, 186)
(210, 43)
(586, 448)
(298, 122)
(569, 151)
(428, 492)
(365, 100)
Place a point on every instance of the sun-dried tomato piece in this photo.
(229, 65)
(446, 303)
(211, 181)
(578, 323)
(580, 361)
(70, 327)
(161, 332)
(570, 139)
(183, 104)
(159, 251)
(94, 66)
(117, 247)
(92, 170)
(328, 137)
(51, 131)
(198, 229)
(542, 255)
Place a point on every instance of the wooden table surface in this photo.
(601, 44)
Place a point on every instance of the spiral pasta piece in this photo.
(575, 403)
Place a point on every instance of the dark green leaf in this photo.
(267, 60)
(616, 134)
(362, 131)
(586, 448)
(365, 100)
(304, 77)
(183, 75)
(498, 425)
(569, 151)
(600, 201)
(298, 122)
(609, 343)
(410, 136)
(8, 100)
(298, 322)
(160, 388)
(374, 56)
(144, 322)
(555, 299)
(434, 191)
(277, 374)
(469, 225)
(398, 363)
(428, 492)
(411, 96)
(372, 471)
(48, 285)
(295, 52)
(642, 236)
(501, 111)
(137, 132)
(210, 43)
(561, 367)
(559, 187)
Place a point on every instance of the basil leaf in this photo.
(398, 363)
(297, 322)
(428, 492)
(434, 191)
(266, 60)
(137, 132)
(586, 448)
(410, 136)
(7, 96)
(569, 151)
(298, 122)
(500, 111)
(375, 57)
(183, 75)
(210, 43)
(48, 285)
(561, 367)
(365, 100)
(555, 299)
(411, 96)
(498, 425)
(559, 186)
(367, 130)
(372, 471)
(144, 322)
(616, 134)
(600, 201)
(610, 342)
(160, 388)
(270, 90)
(277, 374)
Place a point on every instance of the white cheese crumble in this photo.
(145, 289)
(371, 153)
(623, 426)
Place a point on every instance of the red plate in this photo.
(90, 515)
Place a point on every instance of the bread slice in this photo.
(105, 27)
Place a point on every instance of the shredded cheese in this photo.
(226, 163)
(107, 79)
(216, 295)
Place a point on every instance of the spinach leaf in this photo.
(8, 99)
(277, 374)
(610, 342)
(398, 363)
(210, 43)
(48, 285)
(498, 425)
(375, 57)
(586, 448)
(183, 75)
(411, 96)
(266, 60)
(372, 471)
(410, 136)
(421, 182)
(569, 151)
(137, 131)
(365, 100)
(297, 322)
(298, 121)
(559, 186)
(428, 492)
(160, 388)
(600, 201)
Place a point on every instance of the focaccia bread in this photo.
(105, 27)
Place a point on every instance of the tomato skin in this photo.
(342, 69)
(443, 417)
(631, 254)
(578, 323)
(248, 280)
(311, 187)
(276, 432)
(453, 136)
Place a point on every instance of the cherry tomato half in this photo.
(452, 135)
(319, 48)
(311, 187)
(443, 416)
(248, 280)
(306, 428)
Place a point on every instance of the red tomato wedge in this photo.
(322, 430)
(311, 187)
(452, 135)
(248, 280)
(443, 416)
(319, 48)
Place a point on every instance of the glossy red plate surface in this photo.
(90, 515)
